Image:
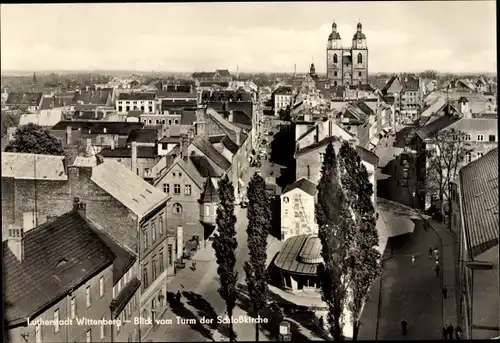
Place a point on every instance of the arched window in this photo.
(177, 209)
(335, 58)
(360, 58)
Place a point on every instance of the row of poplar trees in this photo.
(347, 230)
(225, 244)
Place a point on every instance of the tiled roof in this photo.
(209, 193)
(317, 145)
(214, 83)
(82, 161)
(53, 102)
(284, 90)
(98, 97)
(58, 256)
(211, 153)
(178, 89)
(410, 83)
(170, 139)
(226, 95)
(124, 152)
(311, 129)
(367, 156)
(136, 96)
(223, 72)
(188, 117)
(22, 166)
(166, 94)
(124, 259)
(203, 74)
(435, 126)
(239, 117)
(46, 118)
(230, 145)
(28, 99)
(203, 167)
(65, 95)
(474, 124)
(214, 139)
(303, 184)
(389, 83)
(479, 191)
(112, 127)
(125, 186)
(168, 104)
(135, 114)
(364, 107)
(188, 167)
(143, 135)
(86, 107)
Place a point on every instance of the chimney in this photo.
(80, 207)
(230, 117)
(15, 241)
(134, 157)
(68, 134)
(238, 138)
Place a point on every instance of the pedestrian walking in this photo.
(412, 259)
(404, 326)
(445, 332)
(194, 265)
(436, 254)
(458, 333)
(321, 322)
(445, 292)
(178, 297)
(436, 269)
(450, 332)
(430, 252)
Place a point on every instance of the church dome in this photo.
(334, 35)
(359, 35)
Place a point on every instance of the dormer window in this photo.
(15, 232)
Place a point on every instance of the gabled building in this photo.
(93, 97)
(407, 97)
(219, 75)
(88, 275)
(282, 99)
(135, 101)
(297, 209)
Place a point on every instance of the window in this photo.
(87, 296)
(56, 321)
(491, 138)
(38, 333)
(153, 231)
(149, 121)
(467, 137)
(120, 109)
(308, 172)
(180, 175)
(468, 157)
(335, 58)
(170, 255)
(480, 154)
(145, 238)
(127, 108)
(160, 220)
(157, 121)
(321, 156)
(162, 267)
(150, 108)
(177, 189)
(89, 336)
(146, 171)
(286, 212)
(73, 308)
(187, 189)
(335, 74)
(101, 286)
(153, 268)
(177, 208)
(359, 74)
(480, 138)
(102, 329)
(176, 121)
(145, 276)
(360, 58)
(297, 228)
(297, 214)
(207, 210)
(166, 188)
(142, 108)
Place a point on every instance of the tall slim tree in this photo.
(259, 221)
(445, 156)
(35, 139)
(365, 258)
(225, 245)
(336, 232)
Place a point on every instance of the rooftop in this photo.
(143, 135)
(210, 152)
(303, 184)
(28, 99)
(209, 193)
(121, 128)
(23, 166)
(203, 167)
(45, 118)
(125, 152)
(58, 256)
(136, 96)
(479, 190)
(300, 255)
(133, 192)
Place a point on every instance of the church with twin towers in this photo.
(347, 66)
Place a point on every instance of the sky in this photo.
(410, 36)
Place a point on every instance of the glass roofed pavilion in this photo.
(297, 262)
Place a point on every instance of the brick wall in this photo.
(74, 333)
